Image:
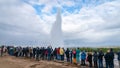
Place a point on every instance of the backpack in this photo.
(74, 52)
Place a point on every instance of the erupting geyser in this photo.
(56, 31)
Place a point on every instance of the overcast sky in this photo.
(84, 22)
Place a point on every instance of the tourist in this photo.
(118, 58)
(11, 51)
(89, 58)
(71, 55)
(27, 52)
(58, 53)
(62, 54)
(30, 52)
(20, 51)
(41, 53)
(8, 49)
(49, 53)
(67, 55)
(107, 59)
(45, 53)
(74, 56)
(95, 59)
(37, 53)
(1, 50)
(100, 59)
(23, 52)
(4, 50)
(16, 52)
(52, 55)
(55, 53)
(78, 55)
(111, 58)
(83, 57)
(34, 52)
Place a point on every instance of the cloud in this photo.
(87, 22)
(20, 22)
(96, 24)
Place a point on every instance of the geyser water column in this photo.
(56, 31)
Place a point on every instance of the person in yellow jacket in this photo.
(62, 54)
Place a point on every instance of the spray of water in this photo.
(56, 31)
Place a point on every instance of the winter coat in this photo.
(74, 54)
(95, 57)
(49, 50)
(107, 57)
(89, 58)
(61, 51)
(112, 55)
(118, 56)
(83, 56)
(58, 50)
(100, 55)
(67, 53)
(77, 52)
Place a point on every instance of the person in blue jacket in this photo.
(49, 49)
(11, 51)
(83, 58)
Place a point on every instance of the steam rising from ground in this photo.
(56, 31)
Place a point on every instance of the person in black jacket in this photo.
(100, 59)
(42, 53)
(23, 52)
(2, 51)
(89, 58)
(67, 55)
(37, 53)
(95, 59)
(119, 58)
(34, 52)
(107, 59)
(55, 53)
(111, 58)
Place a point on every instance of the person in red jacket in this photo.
(58, 53)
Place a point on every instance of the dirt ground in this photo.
(13, 62)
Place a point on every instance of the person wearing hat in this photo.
(119, 58)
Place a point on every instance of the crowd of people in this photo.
(76, 56)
